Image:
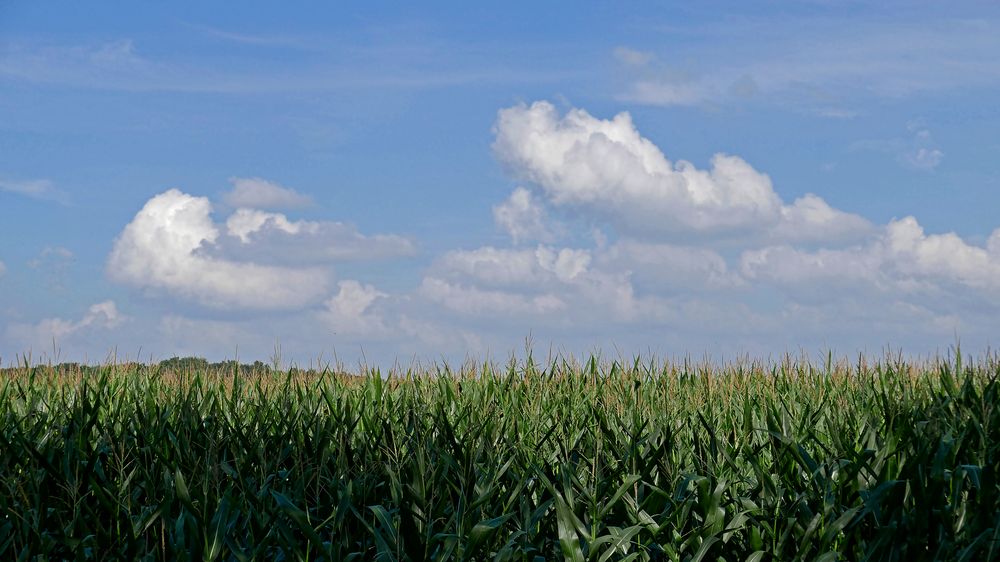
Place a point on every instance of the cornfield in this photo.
(593, 461)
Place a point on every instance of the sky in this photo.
(392, 183)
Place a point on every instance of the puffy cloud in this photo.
(993, 243)
(245, 222)
(272, 237)
(533, 282)
(818, 272)
(103, 315)
(692, 260)
(811, 219)
(162, 249)
(601, 274)
(566, 264)
(605, 164)
(943, 256)
(500, 267)
(259, 193)
(524, 218)
(606, 169)
(350, 311)
(902, 259)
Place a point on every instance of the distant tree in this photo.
(184, 364)
(230, 366)
(260, 367)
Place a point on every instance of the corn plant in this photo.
(594, 461)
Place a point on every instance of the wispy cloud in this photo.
(266, 40)
(101, 316)
(258, 193)
(123, 66)
(917, 152)
(43, 190)
(53, 263)
(819, 65)
(633, 57)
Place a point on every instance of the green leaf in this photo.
(703, 550)
(569, 541)
(299, 517)
(215, 538)
(613, 501)
(184, 495)
(483, 531)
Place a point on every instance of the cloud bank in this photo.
(610, 242)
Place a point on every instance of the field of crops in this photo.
(596, 460)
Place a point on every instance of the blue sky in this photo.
(396, 182)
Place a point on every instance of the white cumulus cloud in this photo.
(259, 193)
(943, 256)
(903, 259)
(524, 218)
(606, 169)
(351, 310)
(810, 219)
(162, 249)
(647, 251)
(474, 301)
(245, 222)
(503, 267)
(533, 282)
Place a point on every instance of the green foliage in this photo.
(184, 364)
(594, 462)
